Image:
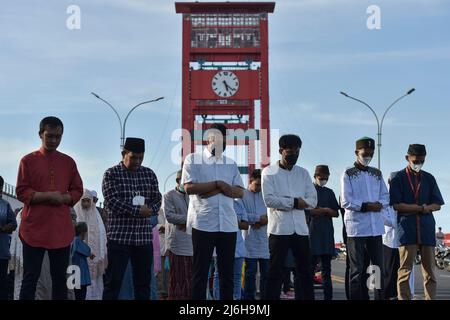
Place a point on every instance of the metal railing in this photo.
(10, 190)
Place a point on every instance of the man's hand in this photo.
(92, 257)
(67, 199)
(374, 206)
(330, 212)
(55, 198)
(243, 225)
(229, 190)
(426, 209)
(181, 227)
(301, 204)
(8, 228)
(145, 211)
(263, 220)
(224, 187)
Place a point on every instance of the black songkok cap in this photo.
(417, 150)
(136, 145)
(365, 142)
(322, 169)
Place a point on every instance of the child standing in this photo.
(79, 253)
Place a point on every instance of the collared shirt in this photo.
(279, 188)
(175, 206)
(256, 240)
(321, 231)
(44, 225)
(120, 186)
(240, 251)
(416, 229)
(7, 216)
(360, 186)
(214, 214)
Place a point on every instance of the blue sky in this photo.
(128, 51)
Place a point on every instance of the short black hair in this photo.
(221, 127)
(256, 174)
(80, 228)
(289, 141)
(2, 182)
(52, 122)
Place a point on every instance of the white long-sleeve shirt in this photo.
(279, 188)
(358, 187)
(390, 237)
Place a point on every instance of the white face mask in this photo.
(322, 182)
(416, 167)
(364, 160)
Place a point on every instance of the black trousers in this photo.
(286, 283)
(364, 289)
(141, 258)
(325, 269)
(356, 249)
(32, 264)
(203, 244)
(391, 266)
(278, 247)
(4, 279)
(80, 294)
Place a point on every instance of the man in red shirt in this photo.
(48, 184)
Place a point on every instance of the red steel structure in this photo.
(225, 73)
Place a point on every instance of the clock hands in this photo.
(226, 85)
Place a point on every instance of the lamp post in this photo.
(124, 124)
(379, 124)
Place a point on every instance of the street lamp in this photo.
(123, 126)
(379, 125)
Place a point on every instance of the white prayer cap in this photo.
(94, 194)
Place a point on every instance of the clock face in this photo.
(225, 84)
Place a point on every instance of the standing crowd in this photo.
(219, 239)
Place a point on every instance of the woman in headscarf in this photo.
(96, 240)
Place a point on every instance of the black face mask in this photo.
(213, 151)
(291, 159)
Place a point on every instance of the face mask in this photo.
(213, 148)
(364, 160)
(416, 167)
(291, 159)
(322, 182)
(181, 188)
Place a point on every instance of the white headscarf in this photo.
(96, 237)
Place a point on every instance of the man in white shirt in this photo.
(212, 181)
(364, 195)
(390, 250)
(287, 191)
(440, 237)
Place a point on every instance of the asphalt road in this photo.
(338, 274)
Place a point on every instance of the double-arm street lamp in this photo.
(379, 124)
(124, 124)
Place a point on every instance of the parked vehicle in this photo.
(442, 256)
